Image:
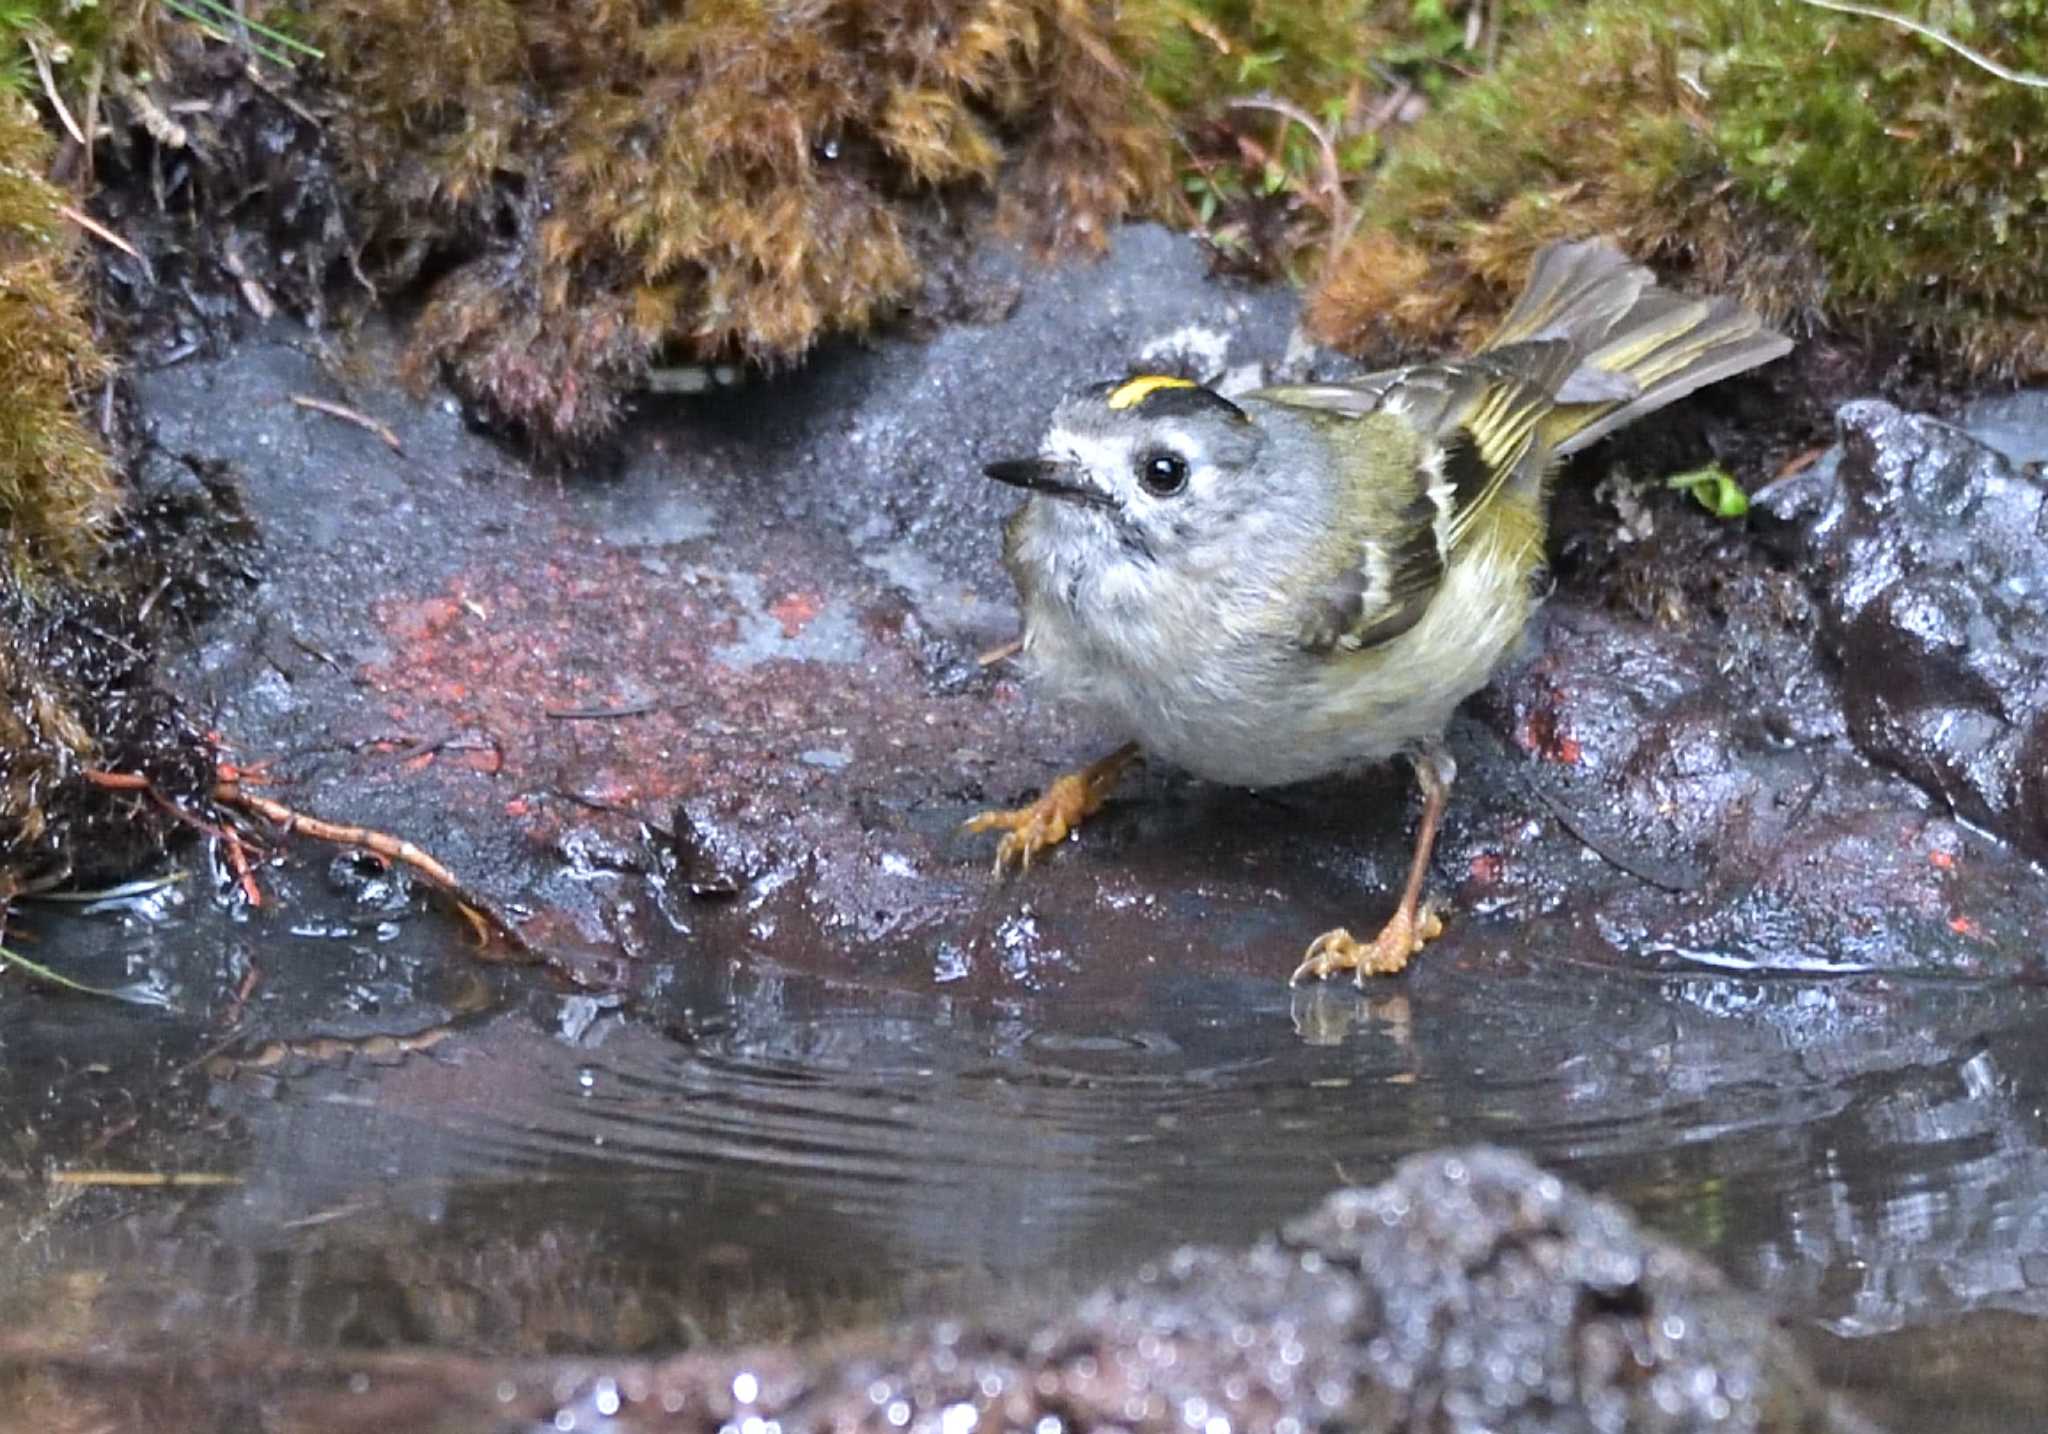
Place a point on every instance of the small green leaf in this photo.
(1714, 490)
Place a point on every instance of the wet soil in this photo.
(706, 717)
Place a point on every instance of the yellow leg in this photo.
(1411, 924)
(1027, 831)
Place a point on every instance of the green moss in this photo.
(1920, 179)
(56, 29)
(1282, 107)
(1827, 166)
(1312, 52)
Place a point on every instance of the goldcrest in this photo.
(1310, 578)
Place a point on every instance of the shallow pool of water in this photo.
(750, 1152)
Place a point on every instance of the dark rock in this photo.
(1469, 1294)
(1932, 577)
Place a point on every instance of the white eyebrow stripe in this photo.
(1105, 457)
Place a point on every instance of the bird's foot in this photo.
(1384, 955)
(1027, 831)
(1045, 822)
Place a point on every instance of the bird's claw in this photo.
(1068, 802)
(1046, 823)
(1385, 955)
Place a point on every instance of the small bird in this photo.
(1310, 578)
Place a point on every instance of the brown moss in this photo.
(726, 179)
(57, 491)
(1507, 166)
(573, 189)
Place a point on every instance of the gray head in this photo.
(1152, 464)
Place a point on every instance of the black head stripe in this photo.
(1192, 402)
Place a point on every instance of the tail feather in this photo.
(1575, 291)
(1634, 347)
(1701, 343)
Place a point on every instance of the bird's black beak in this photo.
(1055, 480)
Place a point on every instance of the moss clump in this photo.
(75, 686)
(57, 491)
(56, 488)
(733, 178)
(1284, 108)
(1821, 164)
(573, 188)
(1274, 99)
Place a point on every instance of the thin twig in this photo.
(238, 862)
(1333, 169)
(253, 293)
(1003, 653)
(1643, 868)
(143, 1179)
(1799, 462)
(50, 88)
(350, 415)
(10, 958)
(93, 127)
(208, 15)
(599, 714)
(98, 230)
(1189, 16)
(486, 921)
(1906, 22)
(393, 849)
(389, 847)
(1388, 108)
(244, 989)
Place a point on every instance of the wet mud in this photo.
(1740, 932)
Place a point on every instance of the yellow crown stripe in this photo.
(1138, 389)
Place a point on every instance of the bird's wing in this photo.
(1469, 426)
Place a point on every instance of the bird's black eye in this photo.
(1162, 474)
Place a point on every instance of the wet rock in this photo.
(1687, 791)
(1470, 1292)
(770, 617)
(1933, 572)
